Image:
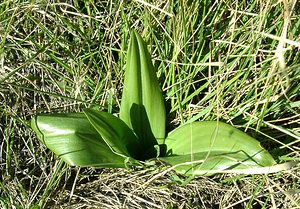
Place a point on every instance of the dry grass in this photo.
(121, 189)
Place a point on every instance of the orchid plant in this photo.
(100, 139)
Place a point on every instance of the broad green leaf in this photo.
(142, 106)
(115, 133)
(204, 146)
(74, 140)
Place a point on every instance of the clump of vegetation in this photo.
(102, 140)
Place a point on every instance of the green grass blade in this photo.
(74, 140)
(214, 145)
(142, 106)
(115, 133)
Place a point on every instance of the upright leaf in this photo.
(74, 140)
(142, 106)
(202, 147)
(115, 133)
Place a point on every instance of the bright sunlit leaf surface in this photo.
(74, 140)
(142, 104)
(116, 133)
(211, 145)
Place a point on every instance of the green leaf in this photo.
(116, 133)
(142, 106)
(201, 147)
(74, 140)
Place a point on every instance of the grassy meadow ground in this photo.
(236, 61)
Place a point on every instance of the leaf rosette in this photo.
(100, 139)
